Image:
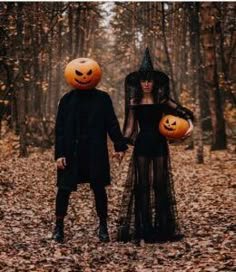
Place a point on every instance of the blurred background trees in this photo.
(194, 43)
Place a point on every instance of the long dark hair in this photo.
(160, 86)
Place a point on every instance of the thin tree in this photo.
(163, 25)
(208, 15)
(194, 27)
(20, 85)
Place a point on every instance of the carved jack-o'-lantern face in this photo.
(173, 127)
(83, 73)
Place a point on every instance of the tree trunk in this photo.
(50, 108)
(196, 67)
(167, 53)
(34, 30)
(20, 85)
(58, 69)
(80, 31)
(182, 70)
(211, 77)
(70, 33)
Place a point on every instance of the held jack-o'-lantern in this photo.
(173, 127)
(83, 73)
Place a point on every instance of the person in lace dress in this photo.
(148, 209)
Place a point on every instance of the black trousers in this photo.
(62, 201)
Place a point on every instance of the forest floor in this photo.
(205, 197)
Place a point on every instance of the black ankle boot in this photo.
(58, 234)
(103, 232)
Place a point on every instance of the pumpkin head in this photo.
(83, 73)
(173, 127)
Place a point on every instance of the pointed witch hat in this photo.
(146, 65)
(146, 72)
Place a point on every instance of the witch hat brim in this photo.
(160, 78)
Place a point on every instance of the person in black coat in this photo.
(84, 118)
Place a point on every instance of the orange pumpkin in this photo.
(173, 127)
(83, 73)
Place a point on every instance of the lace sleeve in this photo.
(174, 108)
(130, 125)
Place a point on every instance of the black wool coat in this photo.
(102, 121)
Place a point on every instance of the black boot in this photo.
(58, 234)
(103, 232)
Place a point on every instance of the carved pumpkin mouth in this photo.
(168, 128)
(80, 82)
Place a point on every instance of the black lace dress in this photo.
(148, 207)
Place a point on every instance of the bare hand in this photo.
(189, 131)
(119, 156)
(61, 163)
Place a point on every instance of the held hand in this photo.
(61, 163)
(189, 131)
(119, 156)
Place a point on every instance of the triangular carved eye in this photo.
(89, 72)
(167, 121)
(78, 73)
(174, 123)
